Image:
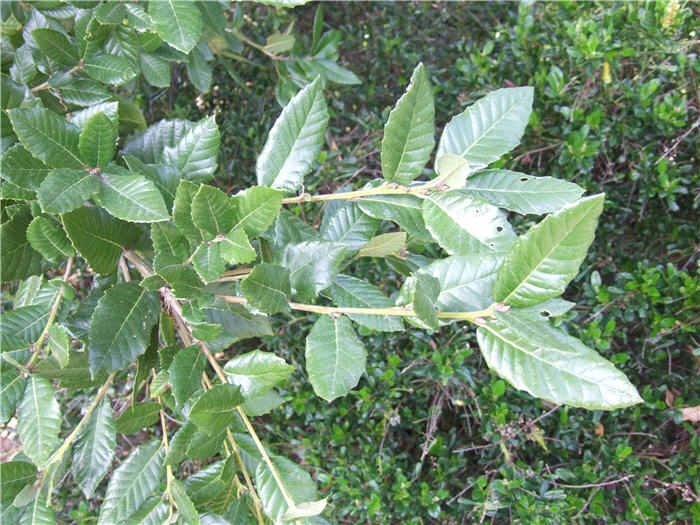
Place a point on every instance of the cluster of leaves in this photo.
(640, 312)
(198, 233)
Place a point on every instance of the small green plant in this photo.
(183, 271)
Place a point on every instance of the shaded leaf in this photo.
(56, 46)
(137, 417)
(384, 245)
(97, 142)
(109, 69)
(49, 239)
(256, 208)
(11, 390)
(14, 476)
(216, 408)
(47, 136)
(195, 154)
(179, 23)
(425, 293)
(212, 211)
(267, 288)
(186, 373)
(130, 197)
(311, 265)
(121, 326)
(132, 483)
(64, 190)
(94, 448)
(38, 419)
(98, 236)
(350, 292)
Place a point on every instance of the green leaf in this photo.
(350, 292)
(38, 419)
(183, 503)
(109, 69)
(425, 293)
(195, 154)
(137, 417)
(76, 374)
(47, 136)
(59, 344)
(132, 198)
(256, 208)
(64, 190)
(56, 46)
(198, 70)
(132, 483)
(408, 135)
(311, 265)
(186, 373)
(11, 390)
(463, 225)
(110, 13)
(179, 23)
(121, 326)
(155, 70)
(297, 482)
(404, 210)
(166, 178)
(384, 245)
(212, 211)
(149, 145)
(348, 225)
(98, 236)
(22, 327)
(154, 511)
(257, 372)
(235, 247)
(549, 364)
(267, 288)
(290, 229)
(207, 483)
(39, 513)
(335, 357)
(183, 280)
(17, 258)
(179, 444)
(295, 140)
(84, 92)
(182, 211)
(98, 140)
(465, 281)
(111, 109)
(207, 261)
(14, 476)
(545, 258)
(237, 323)
(554, 307)
(216, 408)
(49, 239)
(489, 128)
(94, 448)
(522, 193)
(264, 404)
(23, 169)
(167, 239)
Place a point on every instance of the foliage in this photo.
(197, 266)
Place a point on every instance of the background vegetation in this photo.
(429, 435)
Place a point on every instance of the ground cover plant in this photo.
(166, 271)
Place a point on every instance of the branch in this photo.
(388, 188)
(52, 316)
(475, 317)
(58, 455)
